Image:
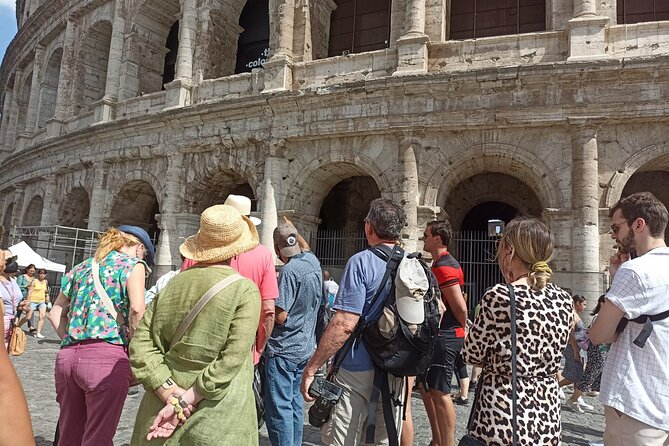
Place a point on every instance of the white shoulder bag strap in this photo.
(99, 289)
(213, 291)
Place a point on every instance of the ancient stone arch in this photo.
(490, 187)
(136, 203)
(33, 213)
(74, 208)
(217, 51)
(145, 48)
(91, 65)
(314, 181)
(49, 87)
(22, 101)
(653, 157)
(494, 158)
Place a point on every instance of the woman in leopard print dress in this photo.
(544, 314)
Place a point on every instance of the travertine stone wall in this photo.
(558, 124)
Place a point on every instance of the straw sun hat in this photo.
(224, 233)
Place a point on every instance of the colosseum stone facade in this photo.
(148, 111)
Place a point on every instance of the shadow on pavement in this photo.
(579, 429)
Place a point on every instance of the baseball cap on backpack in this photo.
(411, 285)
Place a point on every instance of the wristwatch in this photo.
(168, 384)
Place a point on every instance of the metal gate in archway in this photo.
(475, 251)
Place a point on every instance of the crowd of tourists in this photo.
(226, 342)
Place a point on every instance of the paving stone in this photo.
(35, 368)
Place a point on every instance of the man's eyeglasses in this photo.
(615, 227)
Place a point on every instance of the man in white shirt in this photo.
(635, 381)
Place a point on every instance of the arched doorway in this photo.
(253, 44)
(136, 204)
(471, 205)
(215, 190)
(33, 214)
(341, 231)
(74, 209)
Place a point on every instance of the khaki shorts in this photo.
(348, 422)
(623, 430)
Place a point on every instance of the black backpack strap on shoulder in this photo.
(392, 261)
(647, 329)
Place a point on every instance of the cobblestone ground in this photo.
(35, 368)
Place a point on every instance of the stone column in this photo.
(6, 116)
(179, 90)
(271, 185)
(409, 193)
(19, 207)
(587, 32)
(10, 137)
(167, 247)
(585, 204)
(96, 212)
(279, 68)
(50, 209)
(31, 115)
(585, 8)
(54, 126)
(105, 108)
(412, 54)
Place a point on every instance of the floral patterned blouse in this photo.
(88, 315)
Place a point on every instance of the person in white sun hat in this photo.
(257, 265)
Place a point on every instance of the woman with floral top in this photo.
(92, 368)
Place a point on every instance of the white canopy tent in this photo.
(26, 256)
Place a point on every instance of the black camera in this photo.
(327, 394)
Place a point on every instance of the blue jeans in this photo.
(284, 404)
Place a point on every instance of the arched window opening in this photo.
(172, 45)
(33, 214)
(24, 99)
(49, 89)
(357, 26)
(92, 65)
(485, 18)
(637, 11)
(253, 43)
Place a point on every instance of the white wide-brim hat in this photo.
(224, 233)
(243, 205)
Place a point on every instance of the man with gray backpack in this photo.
(383, 333)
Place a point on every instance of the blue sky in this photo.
(7, 24)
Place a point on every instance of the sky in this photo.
(7, 24)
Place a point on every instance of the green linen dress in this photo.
(214, 355)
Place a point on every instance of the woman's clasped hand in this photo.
(170, 417)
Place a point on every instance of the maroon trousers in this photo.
(92, 380)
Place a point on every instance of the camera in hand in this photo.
(327, 394)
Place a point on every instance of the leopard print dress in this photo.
(543, 321)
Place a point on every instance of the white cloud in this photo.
(11, 4)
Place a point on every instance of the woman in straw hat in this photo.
(204, 364)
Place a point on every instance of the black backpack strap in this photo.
(381, 387)
(647, 321)
(392, 261)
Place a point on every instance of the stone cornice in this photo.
(366, 108)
